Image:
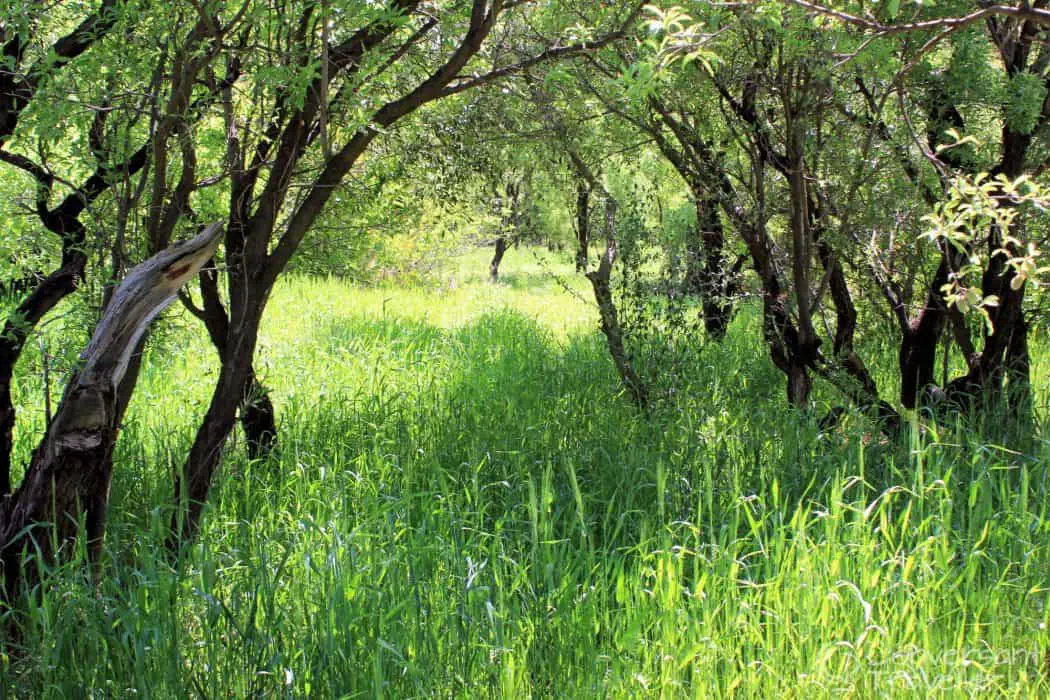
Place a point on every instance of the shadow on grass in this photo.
(499, 406)
(446, 498)
(501, 402)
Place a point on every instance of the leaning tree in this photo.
(119, 146)
(62, 501)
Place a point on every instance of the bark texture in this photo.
(610, 323)
(63, 499)
(583, 225)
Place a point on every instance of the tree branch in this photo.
(553, 53)
(1023, 11)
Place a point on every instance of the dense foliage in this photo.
(773, 415)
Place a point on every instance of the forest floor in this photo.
(464, 505)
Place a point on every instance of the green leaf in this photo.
(1025, 98)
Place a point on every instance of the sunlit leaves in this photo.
(293, 81)
(973, 206)
(676, 37)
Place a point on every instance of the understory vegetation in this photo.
(503, 348)
(464, 504)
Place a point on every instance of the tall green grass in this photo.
(463, 505)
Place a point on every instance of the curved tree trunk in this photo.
(610, 323)
(257, 413)
(778, 328)
(65, 493)
(193, 485)
(238, 333)
(1000, 377)
(857, 384)
(707, 275)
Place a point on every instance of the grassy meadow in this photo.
(463, 505)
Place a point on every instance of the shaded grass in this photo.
(463, 505)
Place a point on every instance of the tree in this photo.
(944, 94)
(68, 478)
(62, 501)
(27, 72)
(318, 125)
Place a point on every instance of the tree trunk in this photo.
(497, 258)
(778, 328)
(706, 274)
(1000, 372)
(1000, 378)
(583, 223)
(599, 279)
(807, 344)
(857, 384)
(510, 224)
(193, 484)
(918, 351)
(258, 417)
(65, 493)
(1005, 355)
(600, 282)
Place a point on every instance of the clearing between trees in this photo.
(464, 504)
